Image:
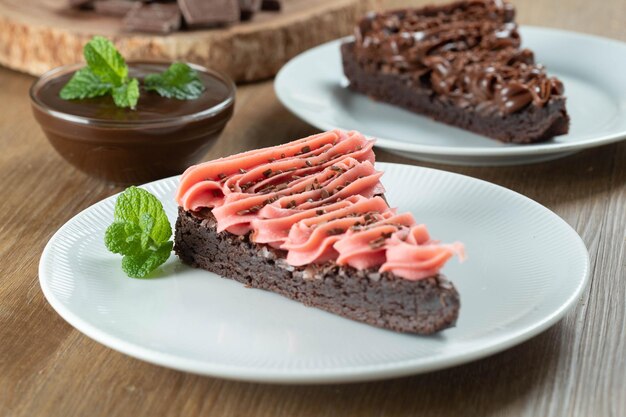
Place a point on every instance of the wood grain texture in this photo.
(37, 35)
(576, 368)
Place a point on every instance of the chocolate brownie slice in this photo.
(460, 64)
(306, 220)
(423, 306)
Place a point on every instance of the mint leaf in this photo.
(123, 238)
(140, 232)
(105, 61)
(84, 84)
(127, 95)
(146, 224)
(133, 203)
(179, 81)
(142, 264)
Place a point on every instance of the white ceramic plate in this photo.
(592, 69)
(526, 268)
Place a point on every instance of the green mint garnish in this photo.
(84, 84)
(179, 81)
(140, 231)
(105, 61)
(106, 73)
(127, 95)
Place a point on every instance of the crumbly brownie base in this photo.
(383, 300)
(533, 124)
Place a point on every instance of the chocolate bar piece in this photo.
(113, 7)
(271, 5)
(209, 13)
(154, 18)
(80, 4)
(248, 8)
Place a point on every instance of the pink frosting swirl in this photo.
(317, 198)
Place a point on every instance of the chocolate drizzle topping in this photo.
(467, 52)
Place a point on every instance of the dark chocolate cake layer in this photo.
(424, 306)
(461, 64)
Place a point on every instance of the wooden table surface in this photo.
(576, 368)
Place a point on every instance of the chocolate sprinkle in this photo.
(377, 243)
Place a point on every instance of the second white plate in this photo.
(526, 268)
(592, 69)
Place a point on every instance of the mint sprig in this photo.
(106, 73)
(179, 81)
(140, 232)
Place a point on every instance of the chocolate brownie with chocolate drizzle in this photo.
(460, 64)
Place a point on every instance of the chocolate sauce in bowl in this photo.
(160, 138)
(151, 106)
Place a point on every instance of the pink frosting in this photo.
(317, 199)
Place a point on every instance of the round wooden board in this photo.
(37, 35)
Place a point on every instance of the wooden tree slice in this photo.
(37, 35)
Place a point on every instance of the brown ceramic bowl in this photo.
(162, 137)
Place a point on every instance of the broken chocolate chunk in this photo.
(155, 18)
(271, 5)
(113, 7)
(209, 13)
(248, 8)
(81, 4)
